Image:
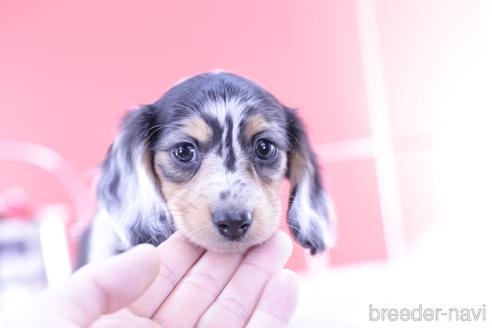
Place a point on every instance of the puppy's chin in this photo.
(219, 244)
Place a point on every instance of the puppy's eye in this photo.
(265, 150)
(184, 152)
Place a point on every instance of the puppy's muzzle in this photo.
(232, 224)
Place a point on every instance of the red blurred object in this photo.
(15, 204)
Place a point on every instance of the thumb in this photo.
(106, 287)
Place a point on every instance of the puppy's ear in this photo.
(308, 215)
(128, 188)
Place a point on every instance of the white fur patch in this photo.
(143, 203)
(305, 214)
(103, 240)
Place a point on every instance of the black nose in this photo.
(231, 223)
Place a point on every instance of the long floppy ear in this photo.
(128, 188)
(308, 216)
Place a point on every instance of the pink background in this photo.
(70, 70)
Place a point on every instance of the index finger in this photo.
(92, 291)
(237, 301)
(178, 255)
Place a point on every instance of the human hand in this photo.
(174, 285)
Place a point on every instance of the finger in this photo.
(198, 289)
(177, 256)
(97, 289)
(278, 301)
(237, 301)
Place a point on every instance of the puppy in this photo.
(207, 159)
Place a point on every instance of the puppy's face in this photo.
(220, 168)
(215, 149)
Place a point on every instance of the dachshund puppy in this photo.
(208, 159)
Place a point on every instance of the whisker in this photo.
(153, 129)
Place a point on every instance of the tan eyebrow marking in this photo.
(255, 124)
(197, 128)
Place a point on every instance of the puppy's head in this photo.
(208, 159)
